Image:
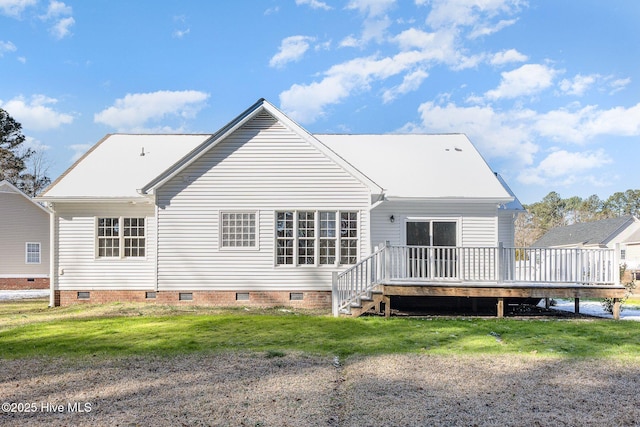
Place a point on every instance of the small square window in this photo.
(185, 296)
(84, 295)
(296, 296)
(242, 296)
(238, 230)
(149, 295)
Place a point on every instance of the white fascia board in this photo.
(145, 199)
(497, 201)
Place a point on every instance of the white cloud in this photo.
(375, 24)
(306, 103)
(529, 79)
(14, 8)
(618, 85)
(60, 14)
(182, 21)
(291, 49)
(488, 29)
(410, 83)
(314, 4)
(507, 56)
(36, 114)
(371, 8)
(61, 29)
(564, 168)
(131, 113)
(181, 33)
(578, 85)
(587, 123)
(470, 13)
(57, 9)
(6, 47)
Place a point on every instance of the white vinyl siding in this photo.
(263, 167)
(477, 221)
(77, 266)
(22, 221)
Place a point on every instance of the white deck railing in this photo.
(473, 266)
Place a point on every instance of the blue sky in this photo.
(548, 90)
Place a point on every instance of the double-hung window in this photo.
(316, 237)
(32, 255)
(121, 237)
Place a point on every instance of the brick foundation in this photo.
(310, 299)
(20, 284)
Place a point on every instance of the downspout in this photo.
(52, 255)
(157, 239)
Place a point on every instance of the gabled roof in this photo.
(443, 166)
(7, 187)
(595, 233)
(260, 106)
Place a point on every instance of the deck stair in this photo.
(365, 303)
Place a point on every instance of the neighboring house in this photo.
(261, 212)
(24, 241)
(605, 233)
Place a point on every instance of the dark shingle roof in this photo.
(584, 233)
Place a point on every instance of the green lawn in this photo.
(30, 329)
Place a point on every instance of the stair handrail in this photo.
(358, 281)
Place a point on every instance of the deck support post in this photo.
(547, 303)
(500, 307)
(334, 294)
(576, 306)
(387, 306)
(616, 308)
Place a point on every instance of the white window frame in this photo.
(121, 238)
(27, 252)
(337, 239)
(256, 231)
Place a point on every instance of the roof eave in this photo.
(461, 199)
(95, 199)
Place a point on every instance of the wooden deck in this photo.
(477, 273)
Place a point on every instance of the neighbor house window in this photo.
(316, 237)
(33, 253)
(238, 230)
(121, 237)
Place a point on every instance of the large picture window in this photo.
(316, 237)
(238, 230)
(121, 237)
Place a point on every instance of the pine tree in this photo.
(14, 158)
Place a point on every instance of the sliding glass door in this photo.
(432, 252)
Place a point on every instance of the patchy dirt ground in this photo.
(299, 390)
